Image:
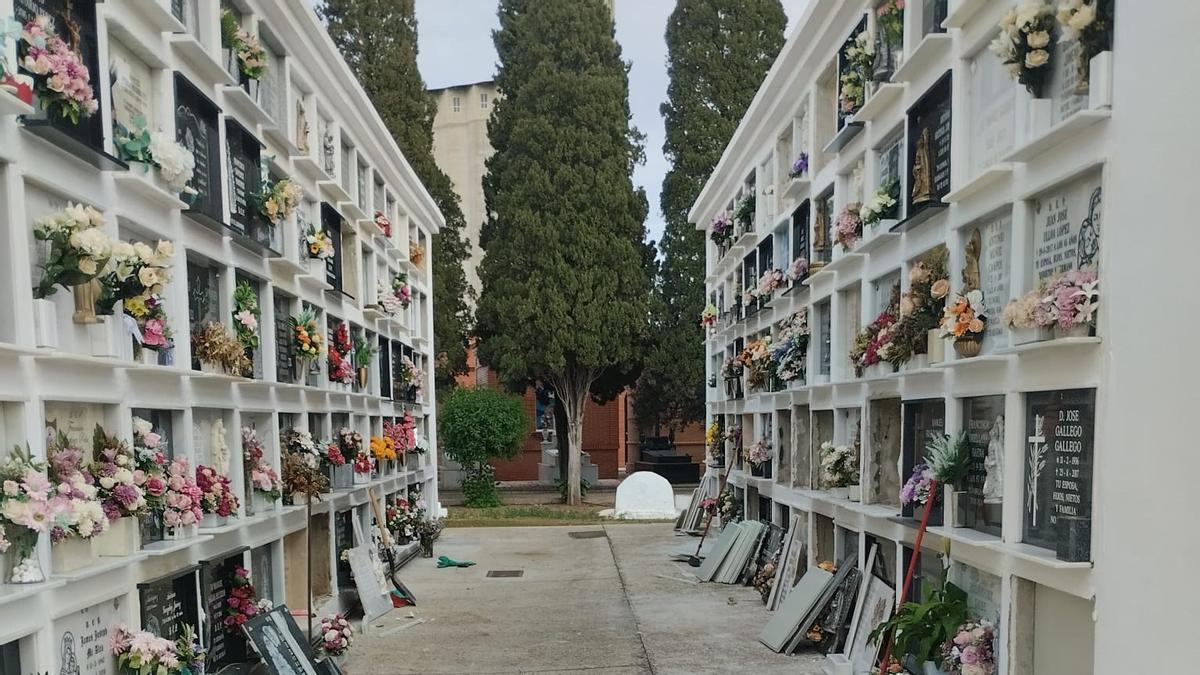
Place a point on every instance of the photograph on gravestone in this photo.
(1060, 428)
(981, 508)
(169, 602)
(80, 641)
(284, 649)
(924, 421)
(928, 144)
(993, 101)
(1066, 227)
(196, 129)
(995, 237)
(225, 643)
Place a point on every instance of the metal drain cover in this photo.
(587, 534)
(506, 574)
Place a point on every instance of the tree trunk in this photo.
(574, 450)
(561, 433)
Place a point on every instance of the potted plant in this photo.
(1024, 321)
(918, 490)
(336, 464)
(971, 650)
(839, 469)
(264, 484)
(1071, 302)
(113, 471)
(919, 630)
(964, 321)
(949, 457)
(363, 353)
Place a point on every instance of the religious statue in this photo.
(70, 663)
(820, 237)
(220, 450)
(970, 273)
(301, 127)
(922, 186)
(993, 463)
(327, 149)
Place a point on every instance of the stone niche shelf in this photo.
(245, 106)
(843, 137)
(11, 105)
(1059, 133)
(886, 94)
(207, 67)
(932, 49)
(961, 11)
(986, 178)
(147, 184)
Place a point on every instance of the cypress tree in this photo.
(718, 52)
(566, 271)
(378, 38)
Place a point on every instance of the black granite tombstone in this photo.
(924, 421)
(169, 602)
(196, 128)
(928, 147)
(1060, 427)
(225, 644)
(981, 507)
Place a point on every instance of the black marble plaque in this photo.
(385, 367)
(343, 539)
(74, 22)
(843, 64)
(980, 507)
(280, 643)
(800, 239)
(243, 152)
(924, 421)
(170, 602)
(225, 644)
(929, 132)
(1060, 430)
(933, 13)
(196, 129)
(331, 223)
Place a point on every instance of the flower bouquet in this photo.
(964, 322)
(246, 314)
(1089, 22)
(873, 344)
(340, 354)
(79, 251)
(920, 310)
(25, 513)
(882, 205)
(720, 230)
(798, 270)
(917, 491)
(143, 652)
(219, 351)
(800, 166)
(308, 340)
(708, 317)
(839, 468)
(174, 162)
(416, 253)
(789, 350)
(241, 604)
(135, 271)
(848, 227)
(383, 449)
(350, 442)
(251, 57)
(402, 290)
(860, 62)
(743, 215)
(759, 453)
(120, 487)
(216, 496)
(302, 480)
(384, 225)
(151, 317)
(78, 515)
(61, 80)
(728, 505)
(334, 636)
(1025, 43)
(1070, 303)
(278, 200)
(181, 501)
(972, 650)
(264, 482)
(769, 282)
(319, 245)
(757, 358)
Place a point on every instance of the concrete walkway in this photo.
(595, 606)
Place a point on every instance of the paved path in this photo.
(590, 606)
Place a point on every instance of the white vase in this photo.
(1076, 331)
(179, 532)
(361, 478)
(854, 493)
(71, 554)
(211, 368)
(316, 268)
(952, 500)
(935, 347)
(45, 325)
(840, 492)
(213, 520)
(124, 537)
(1024, 336)
(24, 570)
(148, 357)
(261, 503)
(104, 338)
(917, 362)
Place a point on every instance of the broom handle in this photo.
(383, 530)
(912, 566)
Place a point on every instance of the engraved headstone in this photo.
(225, 644)
(170, 602)
(284, 649)
(929, 131)
(196, 129)
(1066, 227)
(80, 641)
(924, 421)
(983, 591)
(131, 82)
(1064, 81)
(983, 419)
(994, 265)
(1060, 428)
(993, 112)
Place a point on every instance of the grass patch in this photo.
(531, 515)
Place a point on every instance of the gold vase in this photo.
(966, 347)
(362, 378)
(85, 302)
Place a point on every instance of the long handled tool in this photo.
(398, 587)
(912, 566)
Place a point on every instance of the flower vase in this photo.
(102, 335)
(316, 268)
(839, 492)
(1024, 336)
(24, 569)
(361, 478)
(71, 554)
(179, 532)
(917, 362)
(968, 347)
(340, 476)
(935, 347)
(261, 503)
(426, 547)
(854, 493)
(148, 357)
(299, 499)
(124, 537)
(211, 520)
(45, 325)
(953, 500)
(362, 378)
(1079, 330)
(85, 302)
(412, 461)
(302, 366)
(211, 368)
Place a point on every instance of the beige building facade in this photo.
(460, 147)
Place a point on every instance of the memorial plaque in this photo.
(243, 152)
(924, 421)
(983, 591)
(132, 88)
(75, 22)
(331, 223)
(1064, 79)
(284, 649)
(77, 420)
(844, 65)
(170, 602)
(993, 112)
(1060, 428)
(933, 13)
(1066, 227)
(343, 540)
(929, 132)
(826, 319)
(994, 265)
(196, 129)
(981, 506)
(81, 641)
(225, 644)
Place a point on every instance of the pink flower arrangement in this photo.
(916, 490)
(769, 282)
(145, 652)
(336, 635)
(263, 477)
(1071, 300)
(972, 650)
(848, 226)
(181, 500)
(403, 434)
(61, 80)
(363, 463)
(216, 492)
(242, 603)
(25, 495)
(384, 225)
(74, 507)
(798, 269)
(114, 471)
(334, 456)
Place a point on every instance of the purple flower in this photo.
(126, 495)
(111, 510)
(800, 166)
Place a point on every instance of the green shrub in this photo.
(477, 426)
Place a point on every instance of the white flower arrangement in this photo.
(879, 204)
(174, 161)
(387, 300)
(1023, 43)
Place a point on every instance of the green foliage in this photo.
(245, 300)
(229, 30)
(133, 145)
(378, 39)
(479, 486)
(476, 425)
(950, 459)
(920, 629)
(562, 485)
(718, 52)
(364, 351)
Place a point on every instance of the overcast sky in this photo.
(456, 48)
